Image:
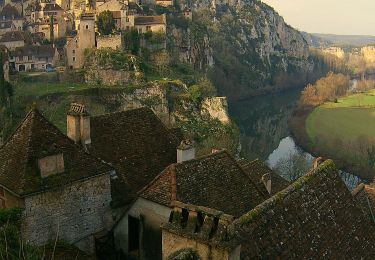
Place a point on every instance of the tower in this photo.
(86, 31)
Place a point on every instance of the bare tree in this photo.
(292, 166)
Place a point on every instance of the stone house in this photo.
(13, 39)
(150, 23)
(33, 57)
(64, 191)
(85, 39)
(314, 217)
(41, 11)
(44, 26)
(203, 181)
(121, 11)
(165, 3)
(10, 19)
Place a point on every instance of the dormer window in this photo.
(51, 165)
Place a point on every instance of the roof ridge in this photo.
(247, 175)
(17, 128)
(297, 185)
(202, 157)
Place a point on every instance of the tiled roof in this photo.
(214, 181)
(145, 20)
(37, 138)
(315, 217)
(137, 144)
(35, 50)
(10, 12)
(13, 36)
(257, 169)
(116, 14)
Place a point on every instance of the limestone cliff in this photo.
(246, 47)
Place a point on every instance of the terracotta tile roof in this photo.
(257, 169)
(36, 138)
(10, 12)
(13, 36)
(214, 181)
(116, 14)
(137, 144)
(365, 198)
(35, 50)
(145, 20)
(315, 217)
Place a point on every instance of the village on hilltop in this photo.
(128, 185)
(42, 35)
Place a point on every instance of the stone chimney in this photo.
(78, 124)
(185, 151)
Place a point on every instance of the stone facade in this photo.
(174, 244)
(73, 213)
(75, 47)
(110, 41)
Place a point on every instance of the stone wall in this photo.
(109, 77)
(109, 41)
(73, 213)
(152, 97)
(173, 244)
(153, 216)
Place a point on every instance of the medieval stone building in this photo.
(215, 181)
(65, 192)
(315, 217)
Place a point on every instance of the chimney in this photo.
(317, 162)
(185, 151)
(78, 124)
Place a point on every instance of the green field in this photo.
(351, 117)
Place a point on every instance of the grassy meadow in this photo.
(345, 131)
(348, 119)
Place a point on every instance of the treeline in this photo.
(358, 154)
(328, 88)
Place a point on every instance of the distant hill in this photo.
(326, 40)
(315, 41)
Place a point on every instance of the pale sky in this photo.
(355, 17)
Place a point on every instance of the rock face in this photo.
(245, 44)
(216, 108)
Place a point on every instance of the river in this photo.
(263, 122)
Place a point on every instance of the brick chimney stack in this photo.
(78, 124)
(185, 151)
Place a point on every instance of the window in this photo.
(74, 58)
(74, 51)
(87, 27)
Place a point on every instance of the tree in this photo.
(6, 92)
(292, 166)
(106, 23)
(132, 41)
(161, 61)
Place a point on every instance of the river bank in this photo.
(263, 123)
(340, 131)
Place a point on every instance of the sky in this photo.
(348, 17)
